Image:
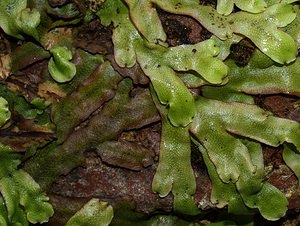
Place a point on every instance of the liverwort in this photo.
(60, 67)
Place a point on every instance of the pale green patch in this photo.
(240, 162)
(32, 198)
(60, 67)
(3, 213)
(225, 7)
(138, 9)
(259, 76)
(200, 58)
(191, 80)
(4, 111)
(292, 159)
(223, 194)
(160, 63)
(263, 31)
(242, 119)
(10, 160)
(270, 201)
(124, 35)
(22, 199)
(272, 2)
(28, 20)
(16, 19)
(174, 173)
(262, 28)
(93, 213)
(293, 28)
(225, 45)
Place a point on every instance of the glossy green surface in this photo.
(4, 111)
(239, 163)
(60, 67)
(17, 20)
(22, 198)
(253, 6)
(262, 28)
(93, 213)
